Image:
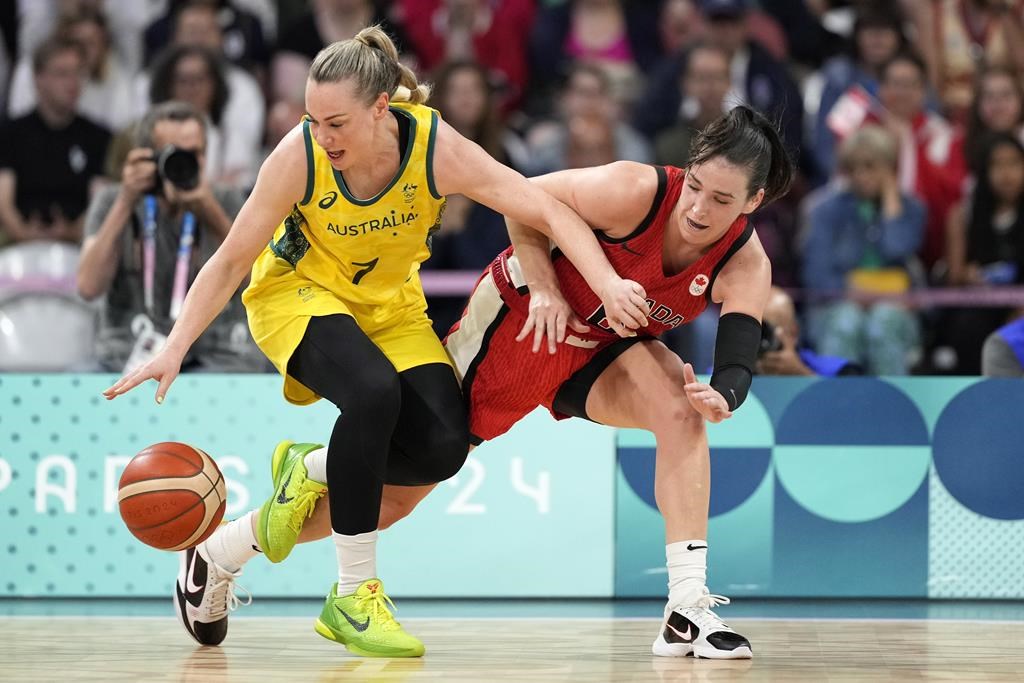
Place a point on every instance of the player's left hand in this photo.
(705, 400)
(548, 316)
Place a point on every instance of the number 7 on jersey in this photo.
(365, 268)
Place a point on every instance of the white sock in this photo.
(233, 544)
(357, 560)
(316, 465)
(687, 571)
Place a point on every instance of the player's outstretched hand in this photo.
(163, 367)
(625, 306)
(705, 400)
(548, 316)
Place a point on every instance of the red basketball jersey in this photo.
(674, 299)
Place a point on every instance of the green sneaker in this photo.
(363, 623)
(292, 502)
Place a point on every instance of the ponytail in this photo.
(371, 59)
(747, 139)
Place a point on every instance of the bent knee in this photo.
(372, 393)
(673, 415)
(447, 453)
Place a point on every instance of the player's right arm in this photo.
(280, 184)
(615, 197)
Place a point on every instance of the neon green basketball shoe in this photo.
(292, 502)
(364, 624)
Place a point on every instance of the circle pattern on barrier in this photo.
(851, 470)
(979, 448)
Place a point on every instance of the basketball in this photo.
(171, 496)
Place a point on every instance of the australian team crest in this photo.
(409, 192)
(699, 284)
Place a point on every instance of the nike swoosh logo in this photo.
(735, 401)
(183, 612)
(685, 636)
(281, 497)
(189, 586)
(355, 624)
(690, 546)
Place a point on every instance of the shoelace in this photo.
(222, 594)
(305, 504)
(701, 613)
(377, 605)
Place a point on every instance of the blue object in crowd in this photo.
(1013, 334)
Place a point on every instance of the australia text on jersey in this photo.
(660, 313)
(394, 220)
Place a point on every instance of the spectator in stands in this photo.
(114, 264)
(679, 24)
(469, 104)
(782, 352)
(705, 85)
(327, 21)
(37, 22)
(953, 34)
(985, 240)
(1003, 352)
(615, 34)
(195, 75)
(932, 162)
(985, 245)
(803, 23)
(239, 127)
(589, 131)
(998, 108)
(240, 32)
(877, 37)
(467, 101)
(758, 79)
(51, 157)
(107, 91)
(492, 32)
(861, 241)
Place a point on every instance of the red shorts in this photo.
(503, 380)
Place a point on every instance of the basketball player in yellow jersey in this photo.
(336, 304)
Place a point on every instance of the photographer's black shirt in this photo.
(53, 166)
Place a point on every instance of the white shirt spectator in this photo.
(233, 146)
(127, 19)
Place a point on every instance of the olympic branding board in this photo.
(531, 514)
(852, 487)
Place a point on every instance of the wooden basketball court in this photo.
(286, 649)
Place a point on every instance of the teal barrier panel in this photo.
(853, 487)
(530, 515)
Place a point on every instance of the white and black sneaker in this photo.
(695, 630)
(204, 594)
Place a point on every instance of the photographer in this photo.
(146, 239)
(780, 353)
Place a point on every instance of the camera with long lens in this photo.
(179, 167)
(769, 339)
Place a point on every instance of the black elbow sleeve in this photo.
(739, 337)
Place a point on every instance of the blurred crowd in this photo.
(131, 131)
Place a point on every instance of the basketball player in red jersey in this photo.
(684, 237)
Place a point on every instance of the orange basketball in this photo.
(172, 496)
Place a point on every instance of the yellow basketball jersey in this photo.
(364, 250)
